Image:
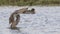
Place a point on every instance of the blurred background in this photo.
(29, 2)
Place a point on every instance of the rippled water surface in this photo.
(45, 21)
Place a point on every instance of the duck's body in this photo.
(15, 17)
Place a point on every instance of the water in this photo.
(45, 21)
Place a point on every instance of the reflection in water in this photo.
(15, 31)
